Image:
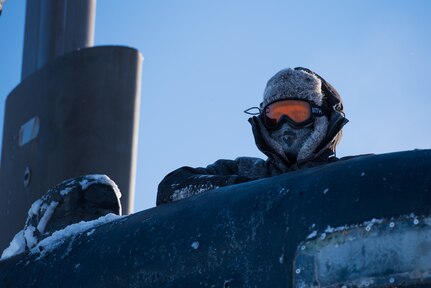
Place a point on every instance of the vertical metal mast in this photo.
(54, 28)
(75, 112)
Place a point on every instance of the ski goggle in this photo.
(299, 113)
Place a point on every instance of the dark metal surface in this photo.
(78, 115)
(54, 28)
(244, 235)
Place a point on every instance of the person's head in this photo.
(296, 111)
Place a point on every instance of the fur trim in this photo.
(271, 142)
(296, 84)
(310, 145)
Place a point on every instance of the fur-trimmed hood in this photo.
(302, 83)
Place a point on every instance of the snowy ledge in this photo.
(18, 243)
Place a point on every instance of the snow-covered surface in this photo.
(60, 236)
(367, 224)
(18, 244)
(375, 252)
(49, 210)
(42, 210)
(87, 181)
(99, 179)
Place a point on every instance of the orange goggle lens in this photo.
(297, 110)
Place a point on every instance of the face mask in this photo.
(291, 139)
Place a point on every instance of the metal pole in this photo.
(77, 114)
(54, 28)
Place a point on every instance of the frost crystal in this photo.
(192, 190)
(312, 234)
(57, 238)
(281, 259)
(195, 245)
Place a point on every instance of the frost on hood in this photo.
(378, 252)
(42, 210)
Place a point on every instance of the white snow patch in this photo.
(312, 235)
(90, 232)
(362, 174)
(195, 245)
(284, 191)
(99, 179)
(66, 191)
(58, 237)
(326, 190)
(49, 210)
(34, 209)
(281, 259)
(16, 246)
(29, 236)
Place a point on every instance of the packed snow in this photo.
(60, 236)
(48, 211)
(99, 179)
(18, 243)
(42, 210)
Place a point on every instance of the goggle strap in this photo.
(253, 111)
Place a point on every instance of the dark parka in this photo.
(187, 181)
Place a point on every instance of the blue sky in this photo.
(207, 61)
